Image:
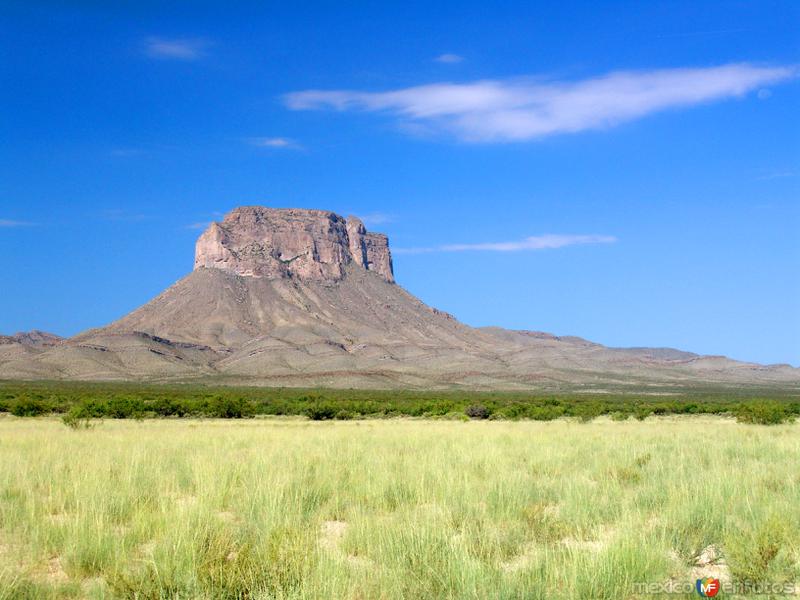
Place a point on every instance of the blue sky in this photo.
(623, 171)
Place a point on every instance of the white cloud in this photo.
(541, 242)
(448, 58)
(12, 223)
(274, 142)
(175, 48)
(527, 108)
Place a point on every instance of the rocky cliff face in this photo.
(313, 245)
(370, 250)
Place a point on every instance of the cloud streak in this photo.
(449, 59)
(199, 225)
(13, 223)
(528, 108)
(121, 215)
(541, 242)
(274, 142)
(777, 175)
(175, 48)
(377, 218)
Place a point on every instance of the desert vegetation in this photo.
(291, 508)
(77, 402)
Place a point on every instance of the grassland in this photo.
(401, 508)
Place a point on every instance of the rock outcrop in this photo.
(370, 250)
(275, 243)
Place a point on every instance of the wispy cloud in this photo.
(377, 218)
(13, 223)
(175, 48)
(703, 33)
(527, 108)
(541, 242)
(448, 58)
(274, 142)
(198, 225)
(126, 152)
(121, 215)
(777, 174)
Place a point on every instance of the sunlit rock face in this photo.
(256, 241)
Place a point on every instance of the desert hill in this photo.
(305, 298)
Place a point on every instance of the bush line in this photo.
(81, 402)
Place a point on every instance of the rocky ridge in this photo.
(34, 337)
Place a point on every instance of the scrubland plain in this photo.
(401, 508)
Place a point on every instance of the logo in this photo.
(708, 587)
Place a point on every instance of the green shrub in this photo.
(28, 407)
(763, 413)
(80, 416)
(123, 408)
(514, 411)
(75, 419)
(229, 408)
(321, 411)
(166, 407)
(129, 400)
(545, 413)
(587, 411)
(89, 409)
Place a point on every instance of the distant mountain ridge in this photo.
(34, 337)
(300, 297)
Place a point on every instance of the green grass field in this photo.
(400, 508)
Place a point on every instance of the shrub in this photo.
(477, 411)
(74, 420)
(166, 407)
(515, 410)
(230, 408)
(587, 411)
(28, 407)
(763, 413)
(321, 411)
(123, 408)
(139, 401)
(545, 413)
